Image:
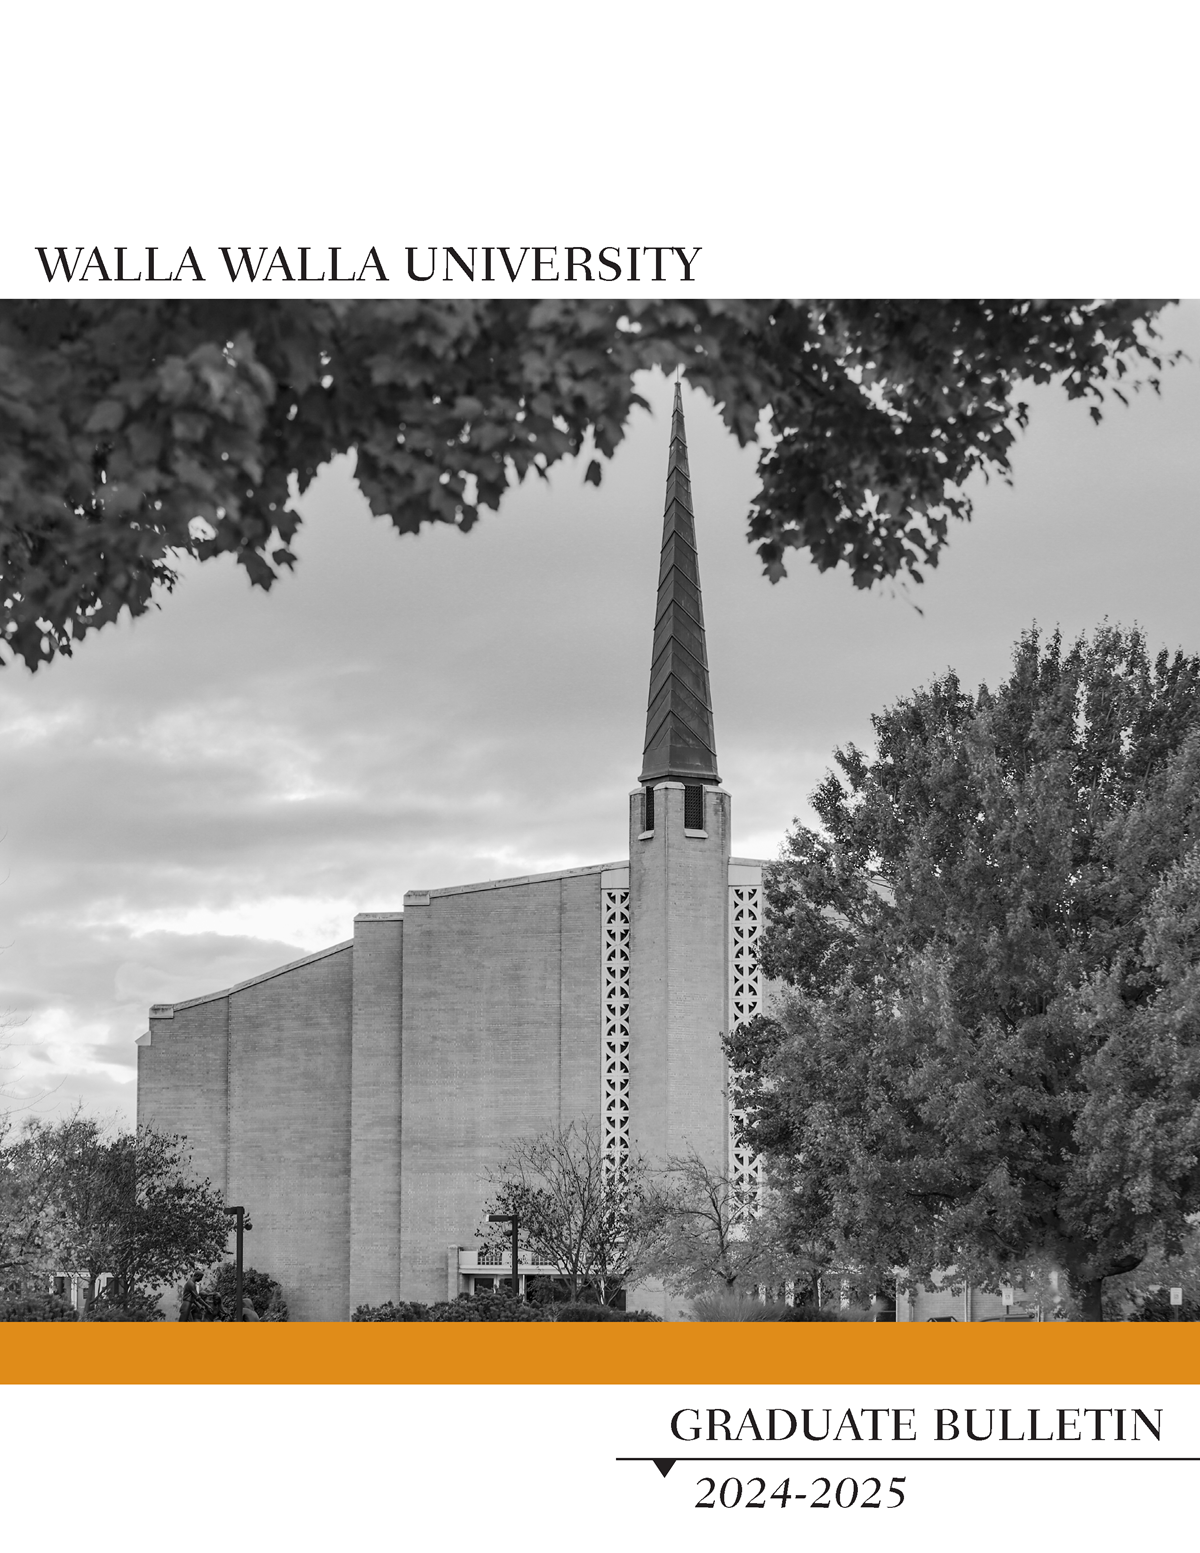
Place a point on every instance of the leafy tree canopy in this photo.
(132, 433)
(1147, 1287)
(124, 1206)
(989, 1057)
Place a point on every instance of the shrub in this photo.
(723, 1305)
(489, 1307)
(492, 1307)
(467, 1307)
(260, 1289)
(1158, 1307)
(601, 1313)
(276, 1307)
(406, 1310)
(135, 1306)
(36, 1307)
(728, 1305)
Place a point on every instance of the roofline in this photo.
(253, 981)
(167, 1010)
(417, 897)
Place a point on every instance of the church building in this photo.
(354, 1100)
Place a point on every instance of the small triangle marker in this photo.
(664, 1463)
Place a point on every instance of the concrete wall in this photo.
(678, 990)
(679, 910)
(501, 1039)
(448, 1032)
(375, 1109)
(432, 1042)
(258, 1079)
(182, 1080)
(289, 1129)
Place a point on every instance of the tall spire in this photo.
(680, 742)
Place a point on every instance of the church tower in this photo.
(359, 1099)
(679, 868)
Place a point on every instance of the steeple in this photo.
(680, 742)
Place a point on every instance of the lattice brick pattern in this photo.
(745, 997)
(615, 1062)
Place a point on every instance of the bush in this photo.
(467, 1307)
(728, 1305)
(36, 1307)
(406, 1310)
(723, 1305)
(492, 1307)
(581, 1312)
(1158, 1307)
(135, 1306)
(259, 1289)
(489, 1307)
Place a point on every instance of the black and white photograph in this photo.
(599, 720)
(426, 898)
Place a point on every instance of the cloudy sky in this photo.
(217, 788)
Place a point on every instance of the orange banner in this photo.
(464, 1353)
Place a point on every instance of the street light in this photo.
(242, 1222)
(515, 1221)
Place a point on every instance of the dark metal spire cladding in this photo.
(680, 742)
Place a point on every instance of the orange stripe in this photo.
(748, 1353)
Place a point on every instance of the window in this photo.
(693, 808)
(648, 810)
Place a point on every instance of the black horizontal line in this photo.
(834, 1460)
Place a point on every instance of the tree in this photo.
(135, 432)
(23, 1205)
(1147, 1286)
(576, 1213)
(698, 1236)
(260, 1290)
(989, 1056)
(120, 1206)
(24, 1201)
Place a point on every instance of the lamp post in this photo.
(242, 1223)
(515, 1221)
